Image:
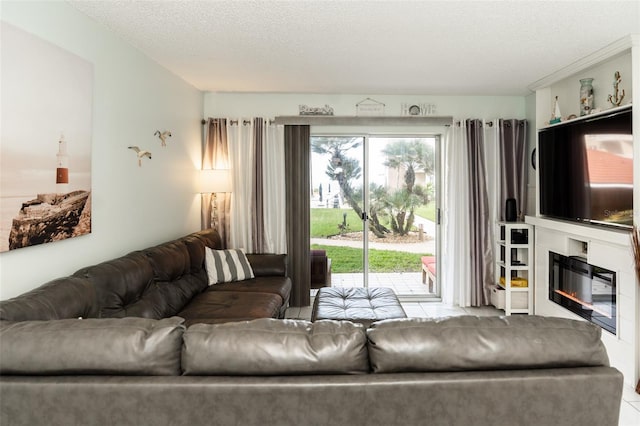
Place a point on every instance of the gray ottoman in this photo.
(362, 305)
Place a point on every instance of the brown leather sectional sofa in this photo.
(159, 282)
(156, 346)
(481, 371)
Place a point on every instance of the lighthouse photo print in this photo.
(45, 141)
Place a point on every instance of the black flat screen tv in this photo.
(586, 170)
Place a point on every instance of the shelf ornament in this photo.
(555, 117)
(586, 96)
(617, 97)
(307, 110)
(370, 107)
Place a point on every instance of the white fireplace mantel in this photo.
(609, 249)
(601, 246)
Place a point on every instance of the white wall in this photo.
(532, 142)
(133, 207)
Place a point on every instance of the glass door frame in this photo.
(366, 136)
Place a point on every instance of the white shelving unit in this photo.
(514, 258)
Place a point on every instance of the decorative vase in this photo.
(586, 96)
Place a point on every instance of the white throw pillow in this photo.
(225, 266)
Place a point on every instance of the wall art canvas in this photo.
(45, 141)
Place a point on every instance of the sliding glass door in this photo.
(386, 235)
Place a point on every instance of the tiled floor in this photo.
(629, 409)
(403, 283)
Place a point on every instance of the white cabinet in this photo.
(513, 291)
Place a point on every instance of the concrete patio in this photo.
(402, 283)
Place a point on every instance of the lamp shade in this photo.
(215, 180)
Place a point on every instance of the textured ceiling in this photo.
(366, 47)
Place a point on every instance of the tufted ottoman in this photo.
(362, 305)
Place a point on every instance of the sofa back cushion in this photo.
(483, 343)
(68, 297)
(268, 265)
(195, 245)
(128, 346)
(275, 347)
(120, 284)
(176, 280)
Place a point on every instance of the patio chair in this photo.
(429, 271)
(320, 269)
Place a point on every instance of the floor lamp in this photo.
(215, 181)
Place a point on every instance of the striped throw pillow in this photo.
(225, 266)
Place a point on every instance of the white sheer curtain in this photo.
(241, 154)
(274, 190)
(242, 158)
(455, 262)
(457, 285)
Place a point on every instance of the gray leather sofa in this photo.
(159, 282)
(523, 370)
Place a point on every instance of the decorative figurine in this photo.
(555, 117)
(141, 154)
(307, 110)
(163, 136)
(586, 96)
(617, 97)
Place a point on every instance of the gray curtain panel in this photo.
(480, 227)
(297, 146)
(512, 139)
(257, 219)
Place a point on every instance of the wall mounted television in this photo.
(586, 169)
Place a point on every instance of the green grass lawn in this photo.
(428, 211)
(347, 259)
(324, 222)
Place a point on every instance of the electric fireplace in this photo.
(584, 289)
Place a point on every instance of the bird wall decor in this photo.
(163, 136)
(141, 154)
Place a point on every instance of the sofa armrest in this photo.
(67, 297)
(265, 265)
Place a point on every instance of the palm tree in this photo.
(341, 167)
(345, 170)
(401, 206)
(409, 154)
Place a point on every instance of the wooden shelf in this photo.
(514, 300)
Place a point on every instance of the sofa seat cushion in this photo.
(108, 346)
(273, 285)
(231, 304)
(275, 347)
(192, 321)
(484, 343)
